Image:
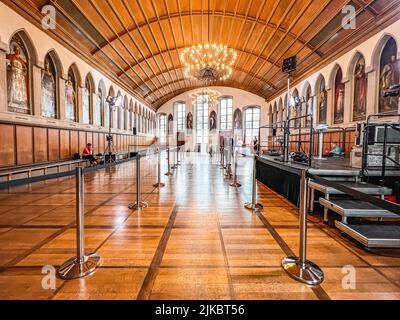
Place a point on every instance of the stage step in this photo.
(354, 209)
(373, 235)
(367, 188)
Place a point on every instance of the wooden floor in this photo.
(195, 241)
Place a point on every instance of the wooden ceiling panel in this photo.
(138, 42)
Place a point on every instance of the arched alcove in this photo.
(20, 60)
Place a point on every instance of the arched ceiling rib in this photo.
(138, 42)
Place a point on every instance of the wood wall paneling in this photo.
(53, 137)
(40, 144)
(7, 145)
(74, 142)
(82, 141)
(24, 144)
(65, 145)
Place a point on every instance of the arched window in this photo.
(162, 127)
(71, 101)
(360, 90)
(338, 108)
(202, 119)
(389, 75)
(252, 120)
(86, 102)
(180, 115)
(49, 89)
(322, 95)
(226, 110)
(19, 74)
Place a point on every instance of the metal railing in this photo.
(367, 141)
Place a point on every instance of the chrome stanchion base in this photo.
(140, 205)
(235, 184)
(250, 206)
(159, 185)
(73, 268)
(309, 273)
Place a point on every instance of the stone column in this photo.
(314, 109)
(372, 91)
(37, 89)
(79, 115)
(330, 106)
(92, 102)
(348, 102)
(3, 77)
(61, 97)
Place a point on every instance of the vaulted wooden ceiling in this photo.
(138, 42)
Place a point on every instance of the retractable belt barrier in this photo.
(389, 206)
(51, 176)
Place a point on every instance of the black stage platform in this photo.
(284, 178)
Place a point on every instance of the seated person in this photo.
(88, 154)
(336, 151)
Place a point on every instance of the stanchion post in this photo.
(81, 265)
(178, 162)
(235, 182)
(175, 160)
(299, 267)
(222, 158)
(139, 204)
(169, 173)
(253, 205)
(159, 184)
(228, 165)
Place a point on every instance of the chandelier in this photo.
(204, 95)
(208, 62)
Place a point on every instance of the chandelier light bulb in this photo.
(208, 62)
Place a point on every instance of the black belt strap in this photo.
(20, 182)
(386, 205)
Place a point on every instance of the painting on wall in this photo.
(322, 102)
(338, 109)
(70, 96)
(189, 122)
(389, 75)
(49, 97)
(360, 91)
(86, 102)
(213, 121)
(18, 77)
(309, 102)
(238, 120)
